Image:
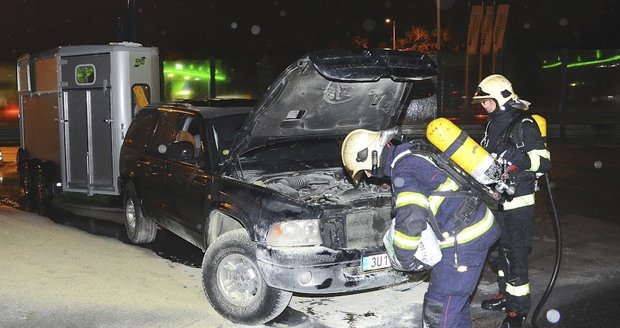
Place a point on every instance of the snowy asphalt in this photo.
(58, 276)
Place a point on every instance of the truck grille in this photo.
(366, 228)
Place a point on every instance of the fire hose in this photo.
(558, 256)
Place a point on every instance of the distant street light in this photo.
(393, 21)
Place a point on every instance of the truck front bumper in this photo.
(321, 270)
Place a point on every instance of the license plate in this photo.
(374, 262)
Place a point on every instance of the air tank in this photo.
(463, 150)
(542, 124)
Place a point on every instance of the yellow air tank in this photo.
(462, 150)
(542, 124)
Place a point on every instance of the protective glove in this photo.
(519, 176)
(513, 156)
(426, 256)
(413, 264)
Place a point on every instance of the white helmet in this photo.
(495, 87)
(361, 150)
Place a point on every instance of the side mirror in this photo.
(180, 151)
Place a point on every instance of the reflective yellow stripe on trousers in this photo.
(518, 290)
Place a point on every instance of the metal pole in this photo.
(394, 34)
(563, 93)
(438, 25)
(131, 30)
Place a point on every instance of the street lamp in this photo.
(393, 21)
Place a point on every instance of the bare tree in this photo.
(416, 39)
(360, 41)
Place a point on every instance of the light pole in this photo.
(438, 25)
(393, 21)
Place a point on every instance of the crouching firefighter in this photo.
(516, 139)
(440, 222)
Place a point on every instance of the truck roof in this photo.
(211, 108)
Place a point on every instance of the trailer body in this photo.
(76, 103)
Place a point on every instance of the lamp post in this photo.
(393, 21)
(438, 25)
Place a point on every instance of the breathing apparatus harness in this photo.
(470, 189)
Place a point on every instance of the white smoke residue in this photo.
(421, 109)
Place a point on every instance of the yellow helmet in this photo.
(495, 87)
(361, 150)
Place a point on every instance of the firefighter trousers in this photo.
(446, 302)
(509, 256)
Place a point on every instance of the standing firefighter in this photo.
(425, 196)
(515, 139)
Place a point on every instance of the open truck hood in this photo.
(332, 92)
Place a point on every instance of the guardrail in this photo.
(599, 133)
(574, 133)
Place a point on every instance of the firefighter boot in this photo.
(497, 303)
(513, 320)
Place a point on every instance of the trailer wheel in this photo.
(233, 284)
(25, 183)
(42, 199)
(140, 229)
(23, 170)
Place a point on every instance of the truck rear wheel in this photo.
(139, 228)
(233, 284)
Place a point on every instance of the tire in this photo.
(233, 284)
(42, 199)
(139, 228)
(25, 182)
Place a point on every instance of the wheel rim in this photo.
(40, 195)
(130, 216)
(239, 280)
(40, 191)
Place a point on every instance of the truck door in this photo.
(86, 125)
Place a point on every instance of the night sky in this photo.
(200, 28)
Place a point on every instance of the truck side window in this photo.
(191, 131)
(165, 133)
(141, 130)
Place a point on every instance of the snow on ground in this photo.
(49, 269)
(58, 276)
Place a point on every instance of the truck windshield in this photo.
(225, 130)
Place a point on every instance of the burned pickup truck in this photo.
(262, 189)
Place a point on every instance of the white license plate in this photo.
(374, 262)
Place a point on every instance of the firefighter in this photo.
(425, 193)
(514, 138)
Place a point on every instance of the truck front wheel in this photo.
(233, 284)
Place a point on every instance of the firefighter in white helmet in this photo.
(425, 193)
(513, 136)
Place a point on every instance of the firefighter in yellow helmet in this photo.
(424, 193)
(515, 139)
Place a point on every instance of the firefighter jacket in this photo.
(515, 138)
(422, 190)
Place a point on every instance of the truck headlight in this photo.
(294, 233)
